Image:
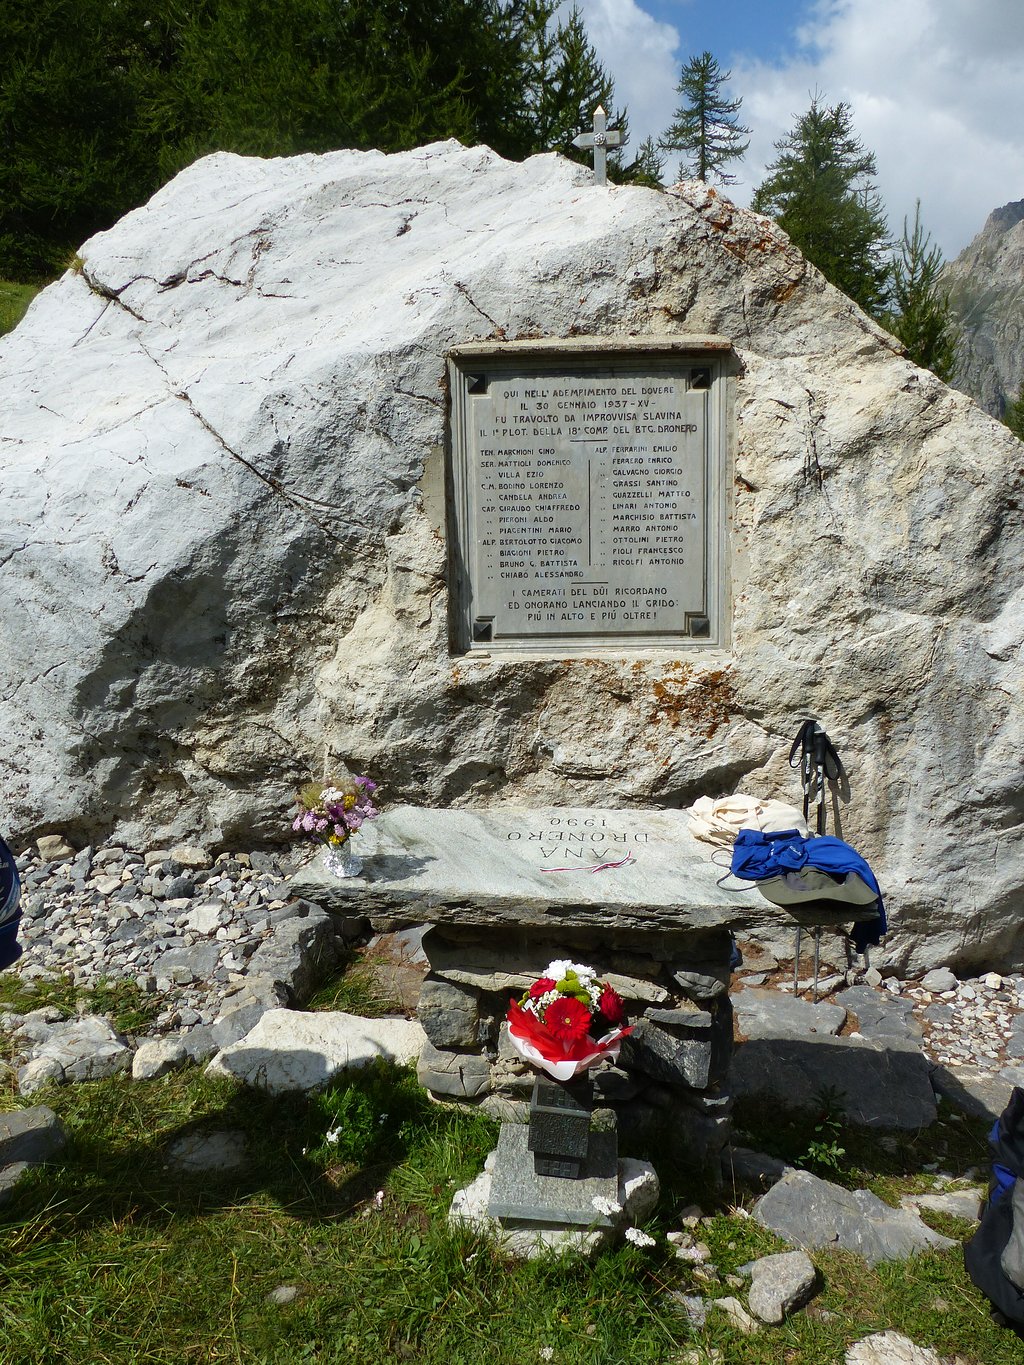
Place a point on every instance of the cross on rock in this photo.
(600, 140)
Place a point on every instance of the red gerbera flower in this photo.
(541, 986)
(611, 1006)
(567, 1019)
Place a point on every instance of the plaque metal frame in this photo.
(700, 366)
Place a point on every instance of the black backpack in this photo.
(995, 1254)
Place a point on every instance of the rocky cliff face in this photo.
(986, 284)
(220, 567)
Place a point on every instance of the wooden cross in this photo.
(600, 140)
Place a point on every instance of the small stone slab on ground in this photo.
(980, 1094)
(890, 1348)
(966, 1204)
(85, 1049)
(880, 1014)
(779, 1284)
(770, 1014)
(809, 1212)
(881, 1084)
(291, 1050)
(736, 1313)
(30, 1135)
(197, 1152)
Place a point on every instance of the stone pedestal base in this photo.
(672, 1070)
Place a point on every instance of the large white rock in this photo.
(288, 1050)
(223, 551)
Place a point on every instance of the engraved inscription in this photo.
(584, 838)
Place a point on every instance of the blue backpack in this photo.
(994, 1256)
(10, 912)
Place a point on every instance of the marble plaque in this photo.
(588, 495)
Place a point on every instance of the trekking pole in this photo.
(815, 755)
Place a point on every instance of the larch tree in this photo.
(705, 127)
(919, 312)
(820, 191)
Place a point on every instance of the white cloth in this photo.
(718, 820)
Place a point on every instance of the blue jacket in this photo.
(757, 856)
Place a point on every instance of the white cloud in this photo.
(937, 93)
(936, 88)
(640, 53)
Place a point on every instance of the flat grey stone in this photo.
(518, 1193)
(890, 1348)
(809, 1212)
(702, 986)
(779, 1284)
(156, 1057)
(693, 1054)
(772, 1014)
(449, 1013)
(198, 1152)
(736, 1313)
(939, 979)
(637, 1192)
(980, 1094)
(880, 1084)
(880, 1014)
(462, 1075)
(489, 867)
(85, 1049)
(235, 1023)
(966, 1204)
(289, 1050)
(30, 1135)
(9, 1177)
(283, 1294)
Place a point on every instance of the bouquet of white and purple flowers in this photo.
(330, 812)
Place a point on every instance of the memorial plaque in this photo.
(588, 485)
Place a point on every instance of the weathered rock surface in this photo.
(890, 1348)
(779, 1284)
(769, 1014)
(223, 440)
(30, 1135)
(808, 1212)
(288, 1050)
(986, 288)
(880, 1084)
(85, 1049)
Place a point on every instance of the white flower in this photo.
(547, 1353)
(638, 1238)
(378, 1200)
(563, 967)
(332, 1135)
(606, 1206)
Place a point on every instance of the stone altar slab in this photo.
(636, 870)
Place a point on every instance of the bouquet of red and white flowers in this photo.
(553, 1025)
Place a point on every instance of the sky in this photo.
(936, 88)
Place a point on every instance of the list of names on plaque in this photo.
(590, 503)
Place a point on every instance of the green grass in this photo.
(110, 1256)
(123, 1002)
(14, 299)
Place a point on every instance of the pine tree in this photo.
(705, 125)
(920, 313)
(819, 190)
